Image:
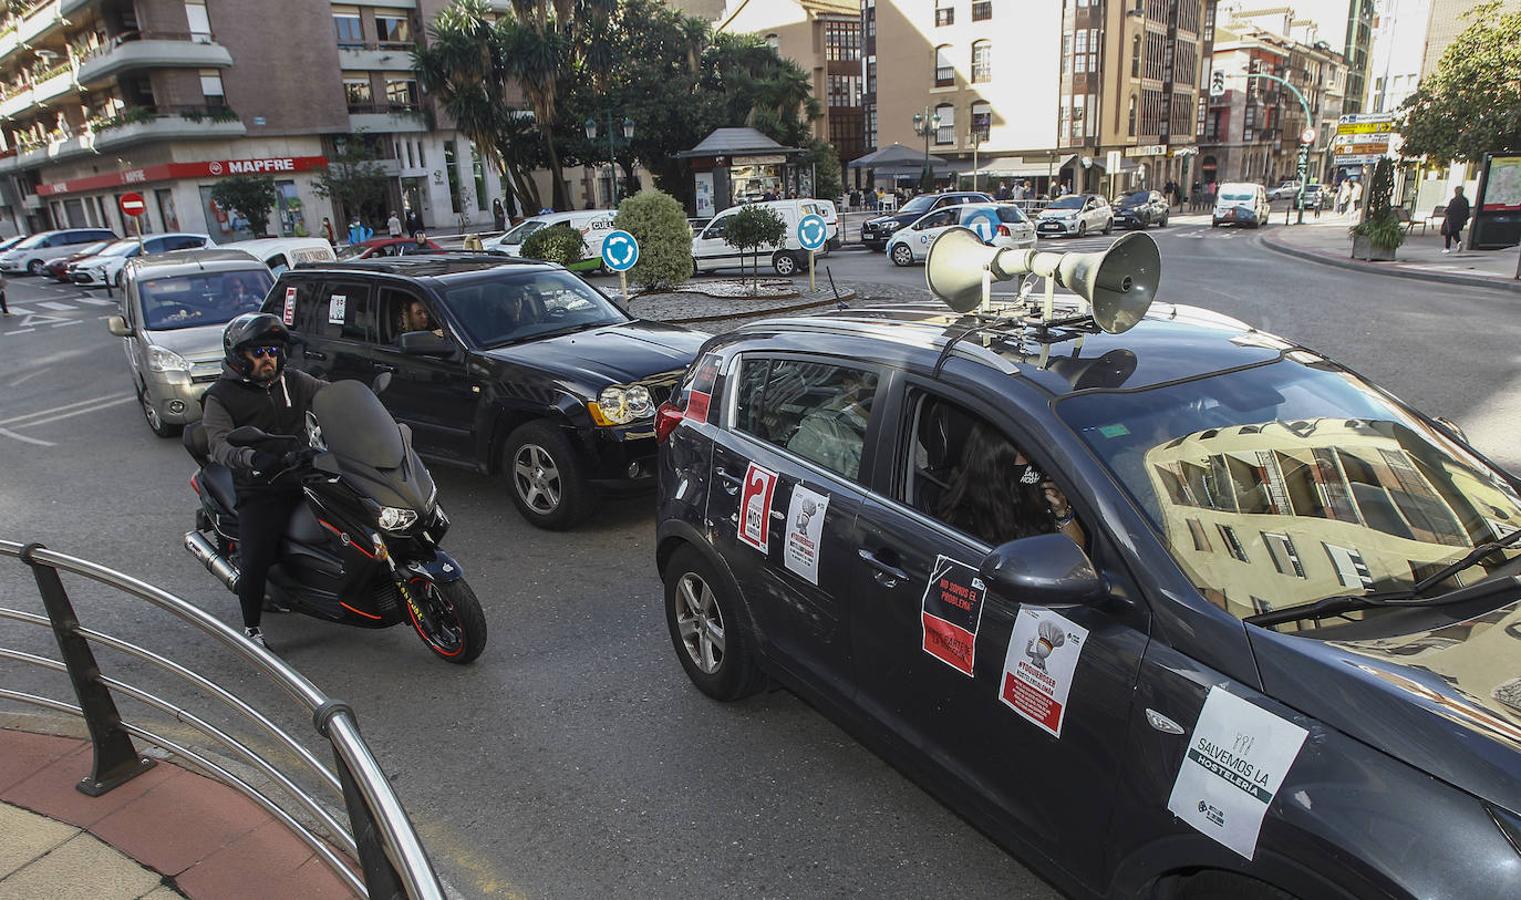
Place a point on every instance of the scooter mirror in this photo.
(382, 381)
(246, 436)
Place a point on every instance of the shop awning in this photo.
(740, 142)
(897, 159)
(1004, 169)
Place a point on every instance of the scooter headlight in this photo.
(396, 518)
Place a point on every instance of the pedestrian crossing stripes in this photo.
(55, 305)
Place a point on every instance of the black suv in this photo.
(1139, 209)
(498, 366)
(1169, 613)
(875, 232)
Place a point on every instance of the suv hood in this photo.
(1446, 701)
(612, 354)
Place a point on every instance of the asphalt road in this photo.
(574, 759)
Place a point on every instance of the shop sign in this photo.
(1147, 150)
(774, 159)
(170, 171)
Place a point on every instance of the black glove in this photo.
(264, 462)
(300, 458)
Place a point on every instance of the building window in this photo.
(1131, 129)
(945, 13)
(199, 22)
(982, 10)
(393, 29)
(1135, 57)
(982, 121)
(356, 90)
(946, 133)
(982, 62)
(945, 70)
(842, 41)
(844, 90)
(346, 22)
(871, 127)
(401, 93)
(212, 90)
(1079, 117)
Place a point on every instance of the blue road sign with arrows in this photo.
(812, 232)
(619, 251)
(984, 222)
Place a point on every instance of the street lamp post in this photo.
(926, 124)
(612, 162)
(1303, 168)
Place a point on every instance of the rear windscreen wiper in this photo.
(1411, 597)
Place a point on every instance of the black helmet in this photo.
(252, 329)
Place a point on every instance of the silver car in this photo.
(1076, 214)
(173, 307)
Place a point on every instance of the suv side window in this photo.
(817, 411)
(402, 311)
(344, 311)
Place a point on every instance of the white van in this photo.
(711, 252)
(285, 253)
(1240, 203)
(594, 225)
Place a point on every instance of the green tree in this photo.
(1470, 105)
(1380, 224)
(823, 160)
(251, 196)
(659, 223)
(354, 179)
(558, 244)
(751, 229)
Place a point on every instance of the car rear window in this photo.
(1012, 214)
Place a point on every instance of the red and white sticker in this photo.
(290, 307)
(1037, 669)
(755, 507)
(700, 397)
(951, 612)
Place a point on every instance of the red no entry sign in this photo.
(132, 204)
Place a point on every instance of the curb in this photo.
(1511, 286)
(845, 297)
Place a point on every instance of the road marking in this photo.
(54, 305)
(47, 412)
(95, 300)
(66, 324)
(30, 375)
(77, 412)
(24, 439)
(21, 331)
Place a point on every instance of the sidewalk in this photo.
(167, 833)
(1326, 241)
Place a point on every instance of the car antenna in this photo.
(838, 303)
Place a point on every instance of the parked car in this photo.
(710, 251)
(173, 308)
(1315, 195)
(593, 224)
(10, 242)
(500, 366)
(876, 231)
(280, 254)
(998, 224)
(1141, 209)
(31, 254)
(106, 267)
(1186, 612)
(58, 269)
(386, 246)
(1285, 191)
(1076, 215)
(1240, 203)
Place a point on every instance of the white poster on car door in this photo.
(1238, 755)
(1038, 666)
(337, 308)
(805, 528)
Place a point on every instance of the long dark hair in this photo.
(987, 498)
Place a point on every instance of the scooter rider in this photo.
(256, 389)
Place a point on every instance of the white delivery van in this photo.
(285, 253)
(1240, 203)
(594, 225)
(710, 251)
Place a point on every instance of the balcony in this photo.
(151, 49)
(381, 56)
(387, 118)
(137, 125)
(24, 28)
(41, 87)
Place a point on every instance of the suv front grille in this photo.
(660, 386)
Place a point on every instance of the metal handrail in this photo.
(398, 864)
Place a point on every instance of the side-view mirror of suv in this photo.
(117, 326)
(426, 343)
(1042, 570)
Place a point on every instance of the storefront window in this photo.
(453, 174)
(289, 210)
(166, 210)
(478, 169)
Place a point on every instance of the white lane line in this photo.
(56, 306)
(30, 375)
(95, 300)
(24, 439)
(77, 412)
(21, 331)
(47, 412)
(65, 324)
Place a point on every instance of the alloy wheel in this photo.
(700, 622)
(902, 255)
(537, 479)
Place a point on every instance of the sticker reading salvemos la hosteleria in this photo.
(337, 309)
(951, 613)
(1238, 755)
(1038, 667)
(805, 529)
(755, 507)
(289, 318)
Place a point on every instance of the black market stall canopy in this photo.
(896, 159)
(743, 165)
(737, 145)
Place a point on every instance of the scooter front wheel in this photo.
(448, 618)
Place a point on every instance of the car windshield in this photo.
(205, 298)
(32, 242)
(500, 306)
(1071, 201)
(124, 247)
(91, 249)
(1239, 196)
(1291, 481)
(520, 233)
(1135, 199)
(921, 203)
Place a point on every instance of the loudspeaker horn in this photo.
(955, 265)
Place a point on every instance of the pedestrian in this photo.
(1457, 216)
(4, 309)
(393, 225)
(1343, 196)
(414, 223)
(1357, 196)
(328, 232)
(498, 214)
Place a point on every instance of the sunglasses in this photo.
(273, 351)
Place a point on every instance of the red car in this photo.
(59, 268)
(387, 246)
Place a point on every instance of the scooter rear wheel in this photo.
(452, 624)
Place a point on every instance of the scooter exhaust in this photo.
(215, 563)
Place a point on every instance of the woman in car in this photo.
(999, 495)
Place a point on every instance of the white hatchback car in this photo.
(998, 224)
(1076, 214)
(105, 268)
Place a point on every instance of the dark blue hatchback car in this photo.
(1188, 611)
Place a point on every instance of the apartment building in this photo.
(163, 97)
(1346, 27)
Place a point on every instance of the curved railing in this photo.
(388, 850)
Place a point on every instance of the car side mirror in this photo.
(117, 326)
(425, 343)
(1042, 570)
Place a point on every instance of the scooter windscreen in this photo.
(352, 424)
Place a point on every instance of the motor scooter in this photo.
(363, 549)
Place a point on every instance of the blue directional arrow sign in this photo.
(984, 222)
(619, 251)
(812, 232)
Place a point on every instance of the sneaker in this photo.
(1445, 250)
(257, 636)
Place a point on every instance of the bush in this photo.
(752, 228)
(659, 223)
(1380, 225)
(558, 244)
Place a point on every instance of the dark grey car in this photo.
(1279, 653)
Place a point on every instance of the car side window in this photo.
(1011, 214)
(344, 311)
(277, 264)
(963, 471)
(939, 219)
(817, 411)
(402, 311)
(154, 245)
(715, 229)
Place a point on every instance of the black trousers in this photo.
(262, 517)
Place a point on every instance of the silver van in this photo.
(35, 252)
(173, 307)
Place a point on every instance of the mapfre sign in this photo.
(252, 166)
(215, 168)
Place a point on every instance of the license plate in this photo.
(1050, 226)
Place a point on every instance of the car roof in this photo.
(257, 245)
(423, 265)
(212, 259)
(1170, 343)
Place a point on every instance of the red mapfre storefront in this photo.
(274, 165)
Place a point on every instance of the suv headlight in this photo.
(161, 359)
(396, 518)
(619, 404)
(889, 225)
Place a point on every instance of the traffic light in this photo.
(1217, 83)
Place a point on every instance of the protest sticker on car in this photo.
(700, 396)
(1038, 667)
(951, 612)
(337, 308)
(289, 317)
(755, 507)
(1238, 755)
(805, 528)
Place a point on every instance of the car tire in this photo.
(1163, 223)
(902, 255)
(1214, 223)
(156, 423)
(550, 488)
(785, 264)
(1082, 229)
(1213, 883)
(1108, 227)
(723, 665)
(34, 268)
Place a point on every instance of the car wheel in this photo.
(902, 255)
(1163, 223)
(34, 267)
(1212, 883)
(784, 263)
(1109, 226)
(156, 423)
(708, 628)
(549, 486)
(1214, 223)
(1082, 229)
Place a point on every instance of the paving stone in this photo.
(82, 868)
(180, 822)
(24, 836)
(22, 753)
(50, 790)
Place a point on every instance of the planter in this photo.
(1364, 248)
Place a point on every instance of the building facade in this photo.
(1346, 27)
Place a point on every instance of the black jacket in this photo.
(234, 401)
(1457, 214)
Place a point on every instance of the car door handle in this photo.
(731, 483)
(384, 367)
(313, 354)
(889, 575)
